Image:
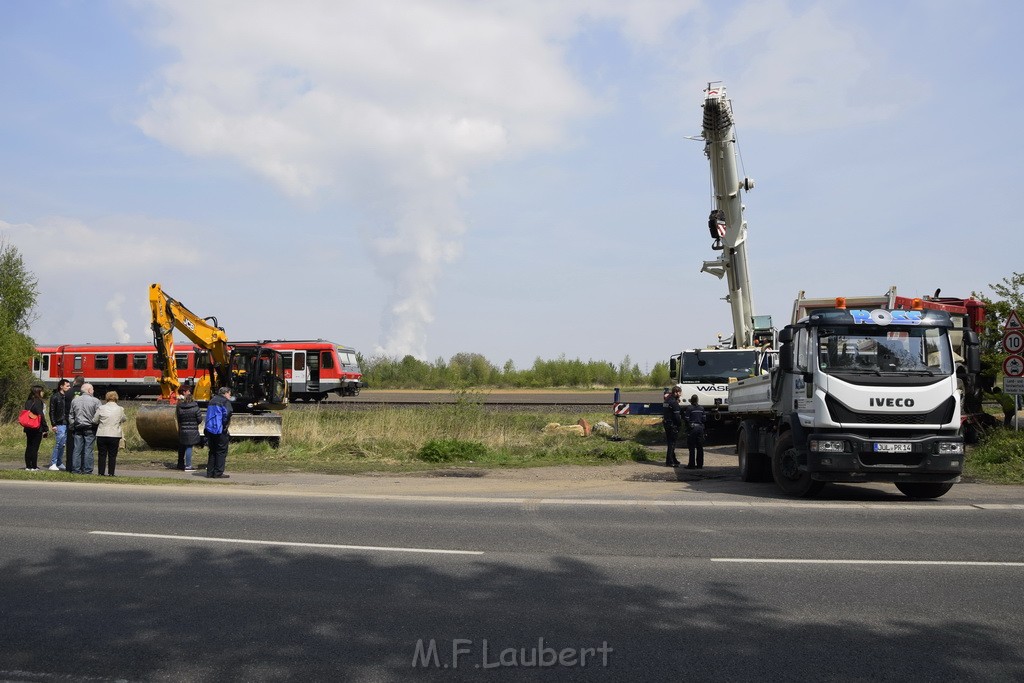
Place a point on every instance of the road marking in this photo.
(292, 544)
(949, 563)
(642, 502)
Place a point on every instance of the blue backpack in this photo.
(215, 419)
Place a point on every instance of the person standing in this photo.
(187, 412)
(83, 407)
(34, 435)
(59, 422)
(672, 420)
(69, 396)
(695, 418)
(218, 419)
(108, 419)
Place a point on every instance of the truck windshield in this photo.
(719, 367)
(869, 348)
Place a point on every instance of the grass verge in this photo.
(324, 440)
(998, 459)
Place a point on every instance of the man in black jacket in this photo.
(69, 396)
(672, 420)
(59, 423)
(695, 418)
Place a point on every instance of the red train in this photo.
(313, 368)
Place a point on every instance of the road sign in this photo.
(1013, 322)
(1013, 366)
(1013, 341)
(1013, 385)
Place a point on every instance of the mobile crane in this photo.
(707, 372)
(254, 373)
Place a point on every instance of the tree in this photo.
(18, 294)
(1011, 293)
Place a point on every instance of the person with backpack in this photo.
(218, 419)
(695, 418)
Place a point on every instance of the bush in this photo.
(447, 450)
(999, 457)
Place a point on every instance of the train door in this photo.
(298, 372)
(313, 372)
(41, 367)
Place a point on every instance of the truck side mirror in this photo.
(786, 334)
(673, 369)
(973, 350)
(786, 357)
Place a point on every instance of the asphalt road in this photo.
(104, 582)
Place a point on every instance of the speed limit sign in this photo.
(1013, 341)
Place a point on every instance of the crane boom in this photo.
(727, 225)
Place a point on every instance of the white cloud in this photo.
(81, 266)
(392, 104)
(798, 67)
(389, 103)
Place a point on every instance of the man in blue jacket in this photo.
(218, 418)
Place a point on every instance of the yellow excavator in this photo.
(253, 372)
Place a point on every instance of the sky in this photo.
(514, 178)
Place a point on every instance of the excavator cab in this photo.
(257, 377)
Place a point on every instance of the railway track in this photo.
(554, 401)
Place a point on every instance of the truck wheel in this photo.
(923, 489)
(752, 465)
(786, 470)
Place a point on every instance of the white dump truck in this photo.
(858, 395)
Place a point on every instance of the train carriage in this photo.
(313, 368)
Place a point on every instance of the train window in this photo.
(202, 360)
(120, 361)
(35, 364)
(286, 360)
(102, 361)
(77, 365)
(46, 362)
(300, 361)
(140, 361)
(181, 361)
(327, 360)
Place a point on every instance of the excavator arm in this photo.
(170, 314)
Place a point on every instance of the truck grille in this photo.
(941, 415)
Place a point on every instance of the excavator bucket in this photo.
(158, 426)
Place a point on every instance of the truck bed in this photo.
(751, 395)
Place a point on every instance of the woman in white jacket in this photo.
(109, 417)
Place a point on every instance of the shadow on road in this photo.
(273, 614)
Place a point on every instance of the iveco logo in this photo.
(892, 402)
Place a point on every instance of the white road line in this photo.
(949, 563)
(292, 544)
(643, 502)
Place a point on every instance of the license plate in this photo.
(893, 448)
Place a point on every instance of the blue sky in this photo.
(506, 178)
